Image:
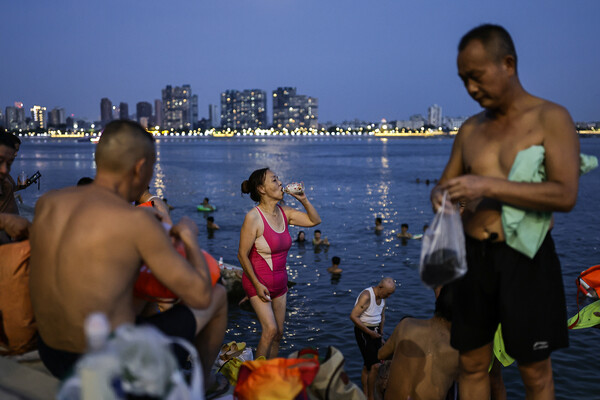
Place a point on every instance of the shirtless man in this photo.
(497, 285)
(424, 365)
(88, 243)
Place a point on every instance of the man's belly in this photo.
(482, 219)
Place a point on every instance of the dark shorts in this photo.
(368, 346)
(504, 286)
(179, 321)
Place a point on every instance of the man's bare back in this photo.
(424, 365)
(79, 234)
(88, 243)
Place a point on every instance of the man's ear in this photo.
(510, 64)
(139, 166)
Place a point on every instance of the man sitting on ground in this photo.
(424, 365)
(87, 246)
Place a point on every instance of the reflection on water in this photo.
(350, 181)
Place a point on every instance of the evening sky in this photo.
(362, 59)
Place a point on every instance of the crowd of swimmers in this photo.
(71, 277)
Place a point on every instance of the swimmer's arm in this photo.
(454, 167)
(188, 279)
(557, 193)
(298, 218)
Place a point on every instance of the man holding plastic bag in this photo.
(481, 176)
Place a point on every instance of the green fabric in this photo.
(524, 229)
(589, 316)
(499, 350)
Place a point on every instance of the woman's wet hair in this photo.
(250, 186)
(298, 238)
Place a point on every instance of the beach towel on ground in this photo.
(17, 323)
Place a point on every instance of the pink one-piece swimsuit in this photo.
(268, 257)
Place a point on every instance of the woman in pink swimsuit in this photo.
(264, 244)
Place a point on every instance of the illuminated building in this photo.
(244, 110)
(105, 111)
(292, 111)
(180, 107)
(38, 114)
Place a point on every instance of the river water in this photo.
(350, 181)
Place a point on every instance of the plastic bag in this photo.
(137, 361)
(443, 255)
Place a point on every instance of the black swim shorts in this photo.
(368, 346)
(504, 286)
(178, 321)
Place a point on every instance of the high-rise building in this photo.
(292, 111)
(244, 110)
(214, 120)
(105, 111)
(180, 107)
(144, 113)
(158, 113)
(56, 117)
(123, 111)
(38, 115)
(434, 115)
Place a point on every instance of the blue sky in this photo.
(361, 59)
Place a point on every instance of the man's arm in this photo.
(382, 322)
(557, 193)
(361, 306)
(15, 226)
(189, 279)
(387, 350)
(454, 167)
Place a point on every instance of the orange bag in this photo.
(17, 323)
(275, 379)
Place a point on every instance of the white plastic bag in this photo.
(443, 255)
(136, 361)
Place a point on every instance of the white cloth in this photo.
(372, 315)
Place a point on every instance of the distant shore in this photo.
(429, 133)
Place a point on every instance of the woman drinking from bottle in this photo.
(264, 244)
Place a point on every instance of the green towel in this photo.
(589, 316)
(524, 229)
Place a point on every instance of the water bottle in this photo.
(97, 329)
(220, 262)
(100, 367)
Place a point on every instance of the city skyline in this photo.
(365, 61)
